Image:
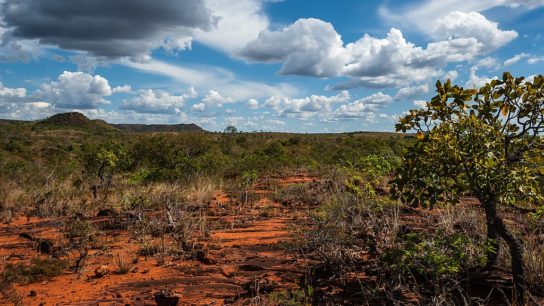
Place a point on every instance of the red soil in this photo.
(245, 255)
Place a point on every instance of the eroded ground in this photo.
(246, 254)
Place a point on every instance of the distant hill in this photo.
(158, 127)
(75, 120)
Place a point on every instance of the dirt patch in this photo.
(245, 255)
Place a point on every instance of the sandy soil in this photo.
(245, 255)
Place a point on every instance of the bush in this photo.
(431, 258)
(38, 270)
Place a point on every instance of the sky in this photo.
(260, 65)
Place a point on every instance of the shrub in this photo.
(39, 269)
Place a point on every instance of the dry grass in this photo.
(122, 263)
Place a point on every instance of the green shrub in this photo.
(39, 269)
(431, 258)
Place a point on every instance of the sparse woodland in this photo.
(283, 219)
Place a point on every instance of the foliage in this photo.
(430, 258)
(231, 129)
(474, 142)
(479, 142)
(39, 269)
(80, 234)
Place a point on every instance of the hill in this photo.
(158, 127)
(75, 120)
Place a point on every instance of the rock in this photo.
(101, 271)
(44, 246)
(249, 267)
(200, 255)
(108, 212)
(228, 271)
(33, 293)
(26, 236)
(164, 298)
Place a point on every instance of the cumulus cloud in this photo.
(252, 104)
(6, 92)
(306, 107)
(238, 23)
(411, 92)
(307, 47)
(424, 14)
(476, 81)
(122, 89)
(77, 90)
(190, 93)
(450, 75)
(154, 102)
(199, 107)
(215, 98)
(106, 28)
(472, 25)
(311, 47)
(364, 109)
(420, 103)
(16, 104)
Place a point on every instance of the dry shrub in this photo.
(122, 263)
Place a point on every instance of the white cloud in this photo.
(306, 107)
(154, 102)
(476, 81)
(420, 103)
(516, 58)
(535, 59)
(122, 89)
(472, 25)
(209, 78)
(311, 47)
(77, 90)
(450, 75)
(199, 107)
(488, 62)
(6, 92)
(411, 92)
(424, 14)
(252, 104)
(238, 23)
(307, 47)
(190, 93)
(215, 98)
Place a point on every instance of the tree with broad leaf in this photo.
(481, 143)
(231, 129)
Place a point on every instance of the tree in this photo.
(231, 129)
(482, 143)
(102, 161)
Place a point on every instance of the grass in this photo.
(122, 263)
(39, 269)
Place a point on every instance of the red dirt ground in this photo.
(245, 255)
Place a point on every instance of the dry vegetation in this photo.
(260, 219)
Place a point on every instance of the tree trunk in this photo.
(496, 228)
(492, 235)
(493, 243)
(516, 253)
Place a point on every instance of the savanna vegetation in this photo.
(451, 214)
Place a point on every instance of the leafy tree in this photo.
(102, 160)
(482, 143)
(231, 129)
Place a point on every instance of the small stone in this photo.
(145, 271)
(101, 271)
(33, 293)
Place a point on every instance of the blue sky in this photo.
(292, 65)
